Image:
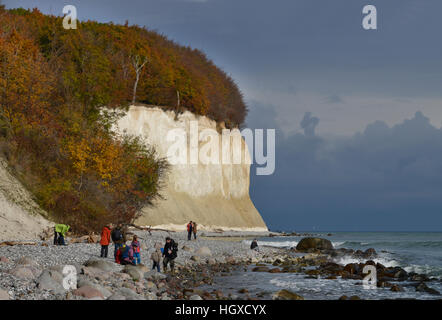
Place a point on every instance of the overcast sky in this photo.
(290, 57)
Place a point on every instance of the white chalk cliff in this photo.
(216, 196)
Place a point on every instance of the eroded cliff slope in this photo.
(20, 217)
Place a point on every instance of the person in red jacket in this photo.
(105, 240)
(189, 230)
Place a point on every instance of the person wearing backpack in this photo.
(170, 253)
(105, 240)
(117, 238)
(136, 249)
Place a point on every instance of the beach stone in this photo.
(135, 272)
(396, 288)
(151, 286)
(230, 260)
(130, 294)
(88, 292)
(188, 249)
(4, 295)
(25, 272)
(204, 251)
(151, 296)
(314, 243)
(401, 274)
(51, 280)
(418, 277)
(195, 297)
(261, 269)
(275, 270)
(84, 282)
(4, 259)
(195, 258)
(383, 284)
(100, 264)
(26, 261)
(422, 287)
(96, 273)
(154, 275)
(286, 295)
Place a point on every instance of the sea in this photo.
(419, 252)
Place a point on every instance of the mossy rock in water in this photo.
(286, 295)
(314, 243)
(261, 269)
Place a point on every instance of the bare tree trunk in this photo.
(138, 66)
(178, 100)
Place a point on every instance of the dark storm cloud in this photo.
(384, 178)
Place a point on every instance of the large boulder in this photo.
(88, 292)
(51, 280)
(25, 272)
(261, 269)
(314, 243)
(100, 264)
(154, 275)
(422, 287)
(286, 295)
(136, 273)
(204, 251)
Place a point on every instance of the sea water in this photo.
(415, 252)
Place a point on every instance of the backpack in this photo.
(174, 249)
(116, 235)
(125, 252)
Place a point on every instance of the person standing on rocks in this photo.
(254, 245)
(156, 257)
(136, 249)
(189, 230)
(105, 240)
(117, 238)
(169, 254)
(60, 231)
(194, 230)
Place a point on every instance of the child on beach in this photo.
(156, 257)
(136, 249)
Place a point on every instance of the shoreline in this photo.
(203, 270)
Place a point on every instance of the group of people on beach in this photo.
(130, 254)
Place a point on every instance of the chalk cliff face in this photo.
(216, 196)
